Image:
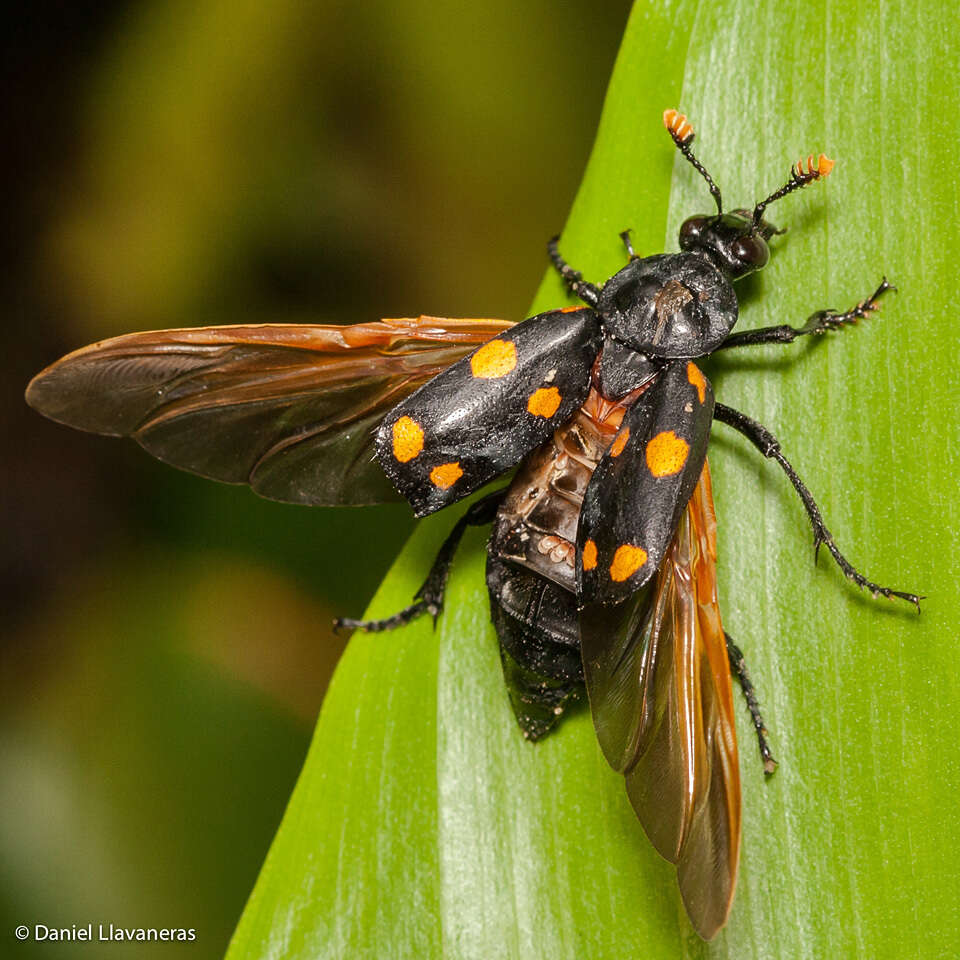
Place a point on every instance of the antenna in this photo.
(798, 178)
(682, 133)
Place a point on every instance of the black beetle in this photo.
(601, 563)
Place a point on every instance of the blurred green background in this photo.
(166, 640)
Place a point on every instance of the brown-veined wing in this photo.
(290, 409)
(658, 678)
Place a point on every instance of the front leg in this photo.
(628, 243)
(818, 323)
(586, 291)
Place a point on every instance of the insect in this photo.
(601, 564)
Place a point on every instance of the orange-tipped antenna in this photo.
(799, 177)
(681, 130)
(821, 168)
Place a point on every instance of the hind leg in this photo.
(738, 666)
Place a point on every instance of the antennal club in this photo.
(681, 130)
(798, 178)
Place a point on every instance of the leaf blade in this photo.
(518, 850)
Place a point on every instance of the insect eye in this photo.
(750, 251)
(690, 229)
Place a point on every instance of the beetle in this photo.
(601, 564)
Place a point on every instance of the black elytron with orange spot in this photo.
(602, 559)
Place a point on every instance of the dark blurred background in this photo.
(166, 640)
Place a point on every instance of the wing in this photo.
(485, 413)
(658, 679)
(290, 409)
(641, 486)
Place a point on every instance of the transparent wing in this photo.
(290, 409)
(659, 684)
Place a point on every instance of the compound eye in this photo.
(691, 229)
(750, 251)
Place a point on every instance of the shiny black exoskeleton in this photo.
(601, 564)
(608, 469)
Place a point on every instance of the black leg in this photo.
(818, 323)
(587, 292)
(429, 598)
(628, 243)
(769, 446)
(739, 667)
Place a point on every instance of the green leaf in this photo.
(424, 826)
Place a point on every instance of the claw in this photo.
(910, 598)
(818, 541)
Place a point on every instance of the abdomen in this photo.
(530, 565)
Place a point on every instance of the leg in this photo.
(628, 243)
(769, 446)
(738, 667)
(587, 292)
(429, 598)
(818, 323)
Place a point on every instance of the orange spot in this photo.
(589, 555)
(666, 454)
(697, 379)
(572, 309)
(544, 402)
(407, 439)
(626, 562)
(824, 165)
(494, 359)
(446, 475)
(616, 448)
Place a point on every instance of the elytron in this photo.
(601, 564)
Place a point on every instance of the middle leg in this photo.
(429, 598)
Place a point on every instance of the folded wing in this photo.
(658, 679)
